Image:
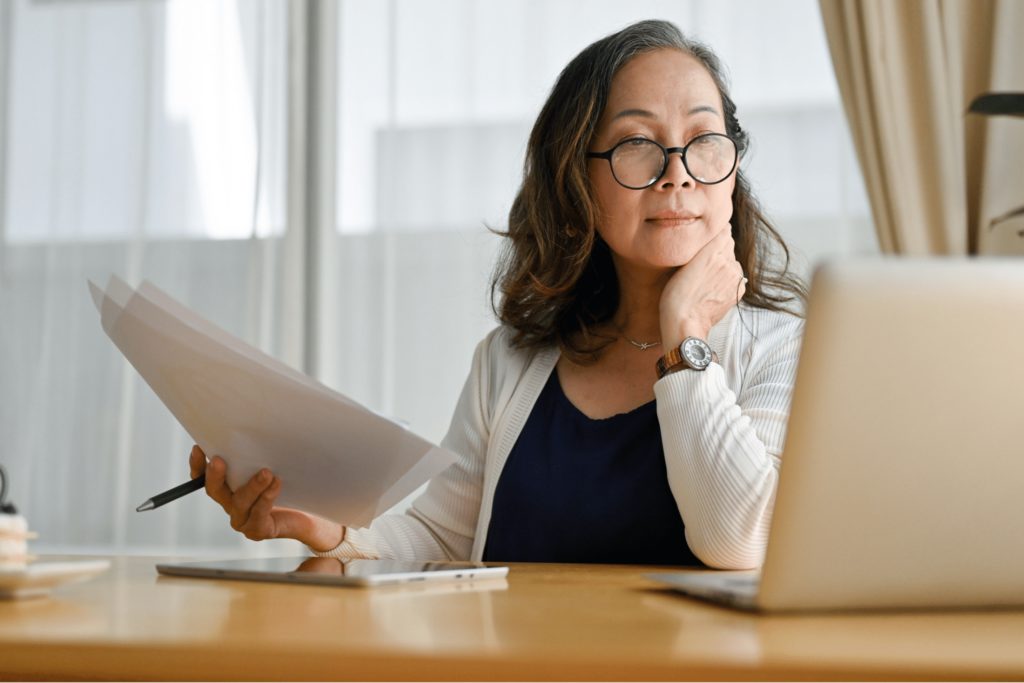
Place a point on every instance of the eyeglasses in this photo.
(638, 163)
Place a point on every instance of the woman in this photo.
(632, 406)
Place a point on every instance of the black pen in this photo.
(173, 494)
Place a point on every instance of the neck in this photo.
(637, 316)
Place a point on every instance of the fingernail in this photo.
(264, 475)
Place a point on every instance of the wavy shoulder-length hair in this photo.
(555, 282)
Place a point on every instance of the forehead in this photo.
(663, 81)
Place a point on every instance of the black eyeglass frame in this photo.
(666, 151)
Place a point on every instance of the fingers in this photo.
(265, 501)
(726, 257)
(251, 506)
(216, 487)
(196, 462)
(725, 242)
(718, 261)
(260, 523)
(721, 246)
(245, 498)
(702, 292)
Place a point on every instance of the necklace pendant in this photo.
(643, 346)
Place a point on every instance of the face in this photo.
(667, 96)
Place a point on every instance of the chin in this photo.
(666, 262)
(681, 249)
(675, 259)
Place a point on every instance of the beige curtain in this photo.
(908, 70)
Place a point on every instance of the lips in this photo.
(673, 218)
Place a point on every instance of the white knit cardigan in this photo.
(722, 431)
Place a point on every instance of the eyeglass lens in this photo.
(640, 163)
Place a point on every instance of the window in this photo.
(434, 106)
(156, 119)
(436, 101)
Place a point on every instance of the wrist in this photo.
(694, 353)
(673, 333)
(326, 536)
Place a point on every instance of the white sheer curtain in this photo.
(145, 139)
(435, 102)
(164, 139)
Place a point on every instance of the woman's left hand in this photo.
(699, 294)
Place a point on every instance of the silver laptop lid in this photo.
(902, 480)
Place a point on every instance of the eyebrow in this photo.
(702, 108)
(643, 113)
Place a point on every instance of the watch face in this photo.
(697, 353)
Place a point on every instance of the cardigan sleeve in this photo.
(441, 523)
(723, 441)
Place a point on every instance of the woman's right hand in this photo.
(251, 507)
(701, 293)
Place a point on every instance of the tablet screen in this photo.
(329, 570)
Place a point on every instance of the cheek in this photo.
(720, 200)
(615, 203)
(605, 192)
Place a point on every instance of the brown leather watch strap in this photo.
(673, 360)
(669, 361)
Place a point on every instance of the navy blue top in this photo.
(580, 490)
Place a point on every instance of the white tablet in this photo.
(333, 572)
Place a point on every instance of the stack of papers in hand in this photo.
(335, 458)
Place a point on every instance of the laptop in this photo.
(902, 476)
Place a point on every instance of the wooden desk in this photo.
(545, 622)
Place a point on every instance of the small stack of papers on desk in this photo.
(335, 458)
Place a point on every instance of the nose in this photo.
(675, 174)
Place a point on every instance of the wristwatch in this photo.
(693, 353)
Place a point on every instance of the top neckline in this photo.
(560, 392)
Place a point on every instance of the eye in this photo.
(707, 131)
(634, 142)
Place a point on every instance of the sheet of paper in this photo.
(335, 458)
